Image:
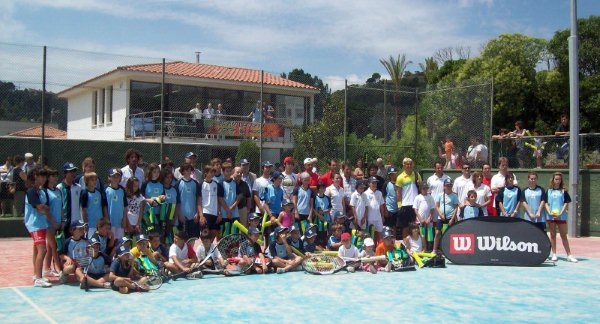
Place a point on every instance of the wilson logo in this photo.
(490, 243)
(462, 243)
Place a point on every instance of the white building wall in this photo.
(80, 122)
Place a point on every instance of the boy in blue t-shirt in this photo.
(93, 203)
(190, 202)
(508, 199)
(446, 205)
(116, 203)
(533, 199)
(281, 252)
(471, 209)
(335, 240)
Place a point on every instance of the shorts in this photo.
(192, 228)
(118, 232)
(406, 215)
(391, 220)
(39, 237)
(377, 225)
(556, 221)
(96, 276)
(303, 217)
(211, 222)
(440, 223)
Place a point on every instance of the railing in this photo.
(551, 152)
(231, 127)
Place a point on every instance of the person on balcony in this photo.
(197, 117)
(562, 153)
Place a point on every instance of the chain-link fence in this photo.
(450, 123)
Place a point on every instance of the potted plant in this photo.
(552, 162)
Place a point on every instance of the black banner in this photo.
(495, 241)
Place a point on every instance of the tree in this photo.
(588, 30)
(510, 60)
(299, 75)
(430, 69)
(395, 67)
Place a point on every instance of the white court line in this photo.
(30, 302)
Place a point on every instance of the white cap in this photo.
(308, 161)
(369, 242)
(28, 155)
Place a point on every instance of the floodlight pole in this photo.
(574, 122)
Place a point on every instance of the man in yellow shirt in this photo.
(407, 184)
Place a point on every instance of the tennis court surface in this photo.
(547, 293)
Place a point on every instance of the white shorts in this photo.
(377, 224)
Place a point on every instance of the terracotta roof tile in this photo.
(36, 131)
(216, 72)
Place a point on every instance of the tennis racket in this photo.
(82, 255)
(155, 281)
(239, 253)
(324, 264)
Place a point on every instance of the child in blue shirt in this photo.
(116, 203)
(93, 203)
(508, 199)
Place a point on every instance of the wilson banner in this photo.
(495, 241)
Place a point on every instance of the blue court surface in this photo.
(546, 294)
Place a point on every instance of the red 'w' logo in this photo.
(462, 244)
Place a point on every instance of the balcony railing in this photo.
(220, 127)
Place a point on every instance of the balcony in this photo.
(227, 129)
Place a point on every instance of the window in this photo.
(94, 108)
(101, 98)
(109, 105)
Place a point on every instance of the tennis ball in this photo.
(555, 211)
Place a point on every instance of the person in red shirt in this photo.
(327, 178)
(486, 172)
(314, 177)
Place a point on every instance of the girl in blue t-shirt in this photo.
(55, 200)
(556, 207)
(508, 199)
(37, 216)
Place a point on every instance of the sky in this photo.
(334, 40)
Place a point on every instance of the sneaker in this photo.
(42, 278)
(388, 267)
(554, 257)
(280, 270)
(48, 273)
(84, 284)
(62, 277)
(372, 269)
(140, 288)
(351, 269)
(39, 282)
(107, 285)
(195, 275)
(570, 258)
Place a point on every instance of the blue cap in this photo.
(253, 230)
(392, 170)
(310, 232)
(447, 182)
(93, 241)
(387, 233)
(294, 228)
(122, 251)
(123, 240)
(267, 164)
(141, 237)
(244, 161)
(373, 179)
(275, 175)
(114, 171)
(280, 229)
(78, 224)
(190, 154)
(253, 216)
(68, 166)
(338, 214)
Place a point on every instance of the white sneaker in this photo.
(351, 269)
(280, 270)
(388, 267)
(42, 278)
(107, 285)
(195, 275)
(47, 273)
(62, 277)
(554, 257)
(41, 283)
(570, 258)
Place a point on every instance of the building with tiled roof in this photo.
(36, 131)
(126, 104)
